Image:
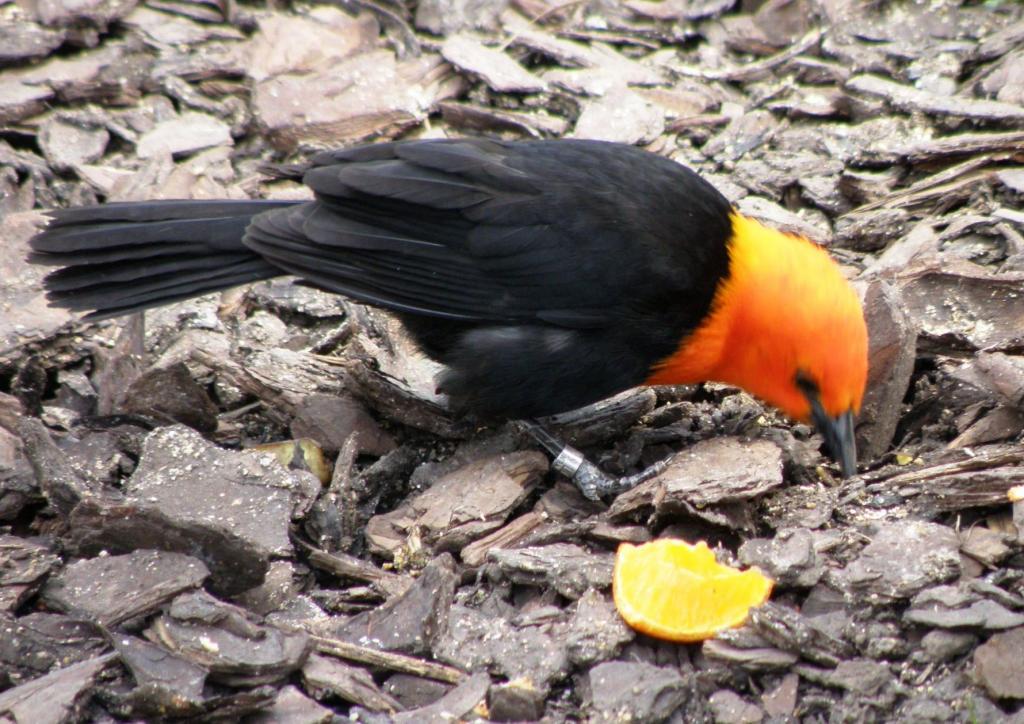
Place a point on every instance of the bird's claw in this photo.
(593, 482)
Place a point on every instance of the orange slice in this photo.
(675, 591)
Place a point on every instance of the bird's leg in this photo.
(593, 482)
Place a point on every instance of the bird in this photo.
(543, 275)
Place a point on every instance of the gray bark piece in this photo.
(332, 419)
(731, 708)
(456, 705)
(67, 144)
(517, 700)
(447, 17)
(620, 116)
(20, 100)
(568, 568)
(892, 347)
(21, 39)
(168, 684)
(713, 471)
(230, 509)
(325, 676)
(63, 486)
(496, 69)
(311, 42)
(38, 643)
(193, 481)
(171, 394)
(635, 692)
(370, 94)
(112, 589)
(940, 646)
(228, 642)
(797, 633)
(999, 666)
(596, 631)
(789, 558)
(475, 640)
(292, 707)
(18, 484)
(463, 505)
(902, 559)
(910, 99)
(91, 12)
(958, 305)
(55, 698)
(24, 566)
(757, 659)
(181, 136)
(411, 622)
(26, 314)
(986, 615)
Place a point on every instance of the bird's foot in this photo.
(593, 482)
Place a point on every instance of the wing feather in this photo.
(489, 231)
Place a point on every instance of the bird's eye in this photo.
(806, 385)
(812, 392)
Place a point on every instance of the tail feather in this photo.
(112, 300)
(125, 257)
(163, 210)
(167, 268)
(221, 233)
(113, 254)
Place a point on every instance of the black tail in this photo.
(123, 257)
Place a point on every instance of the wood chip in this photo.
(370, 94)
(462, 506)
(713, 471)
(387, 660)
(496, 69)
(958, 305)
(620, 116)
(912, 100)
(538, 124)
(760, 68)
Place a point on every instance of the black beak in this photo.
(838, 434)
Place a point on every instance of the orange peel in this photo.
(675, 591)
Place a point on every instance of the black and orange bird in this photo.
(543, 275)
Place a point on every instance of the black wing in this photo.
(577, 234)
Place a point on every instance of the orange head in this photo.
(786, 326)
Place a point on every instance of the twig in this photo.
(699, 121)
(240, 411)
(387, 660)
(410, 45)
(345, 566)
(752, 70)
(534, 21)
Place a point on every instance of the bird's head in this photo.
(787, 327)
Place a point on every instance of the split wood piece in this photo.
(909, 99)
(963, 144)
(507, 536)
(962, 179)
(280, 378)
(981, 481)
(985, 460)
(536, 123)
